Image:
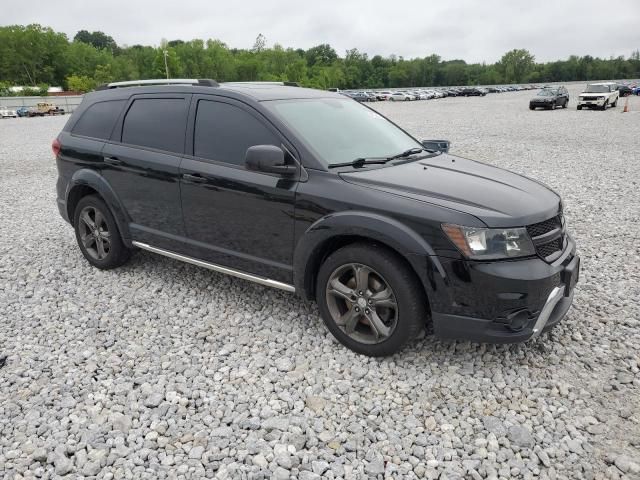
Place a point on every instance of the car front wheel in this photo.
(97, 234)
(370, 300)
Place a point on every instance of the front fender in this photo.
(90, 178)
(313, 244)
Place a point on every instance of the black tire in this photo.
(531, 107)
(105, 232)
(566, 103)
(553, 106)
(406, 294)
(579, 107)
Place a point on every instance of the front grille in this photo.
(537, 229)
(590, 98)
(547, 247)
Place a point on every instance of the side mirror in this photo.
(269, 159)
(437, 145)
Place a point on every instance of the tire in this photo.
(398, 321)
(531, 107)
(604, 106)
(579, 107)
(97, 234)
(553, 106)
(566, 103)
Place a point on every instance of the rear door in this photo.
(142, 163)
(233, 216)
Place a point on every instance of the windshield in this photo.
(546, 93)
(597, 88)
(341, 130)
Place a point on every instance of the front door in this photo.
(235, 217)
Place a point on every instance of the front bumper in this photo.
(506, 302)
(591, 103)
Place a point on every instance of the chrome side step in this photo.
(217, 268)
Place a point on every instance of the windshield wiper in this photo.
(359, 162)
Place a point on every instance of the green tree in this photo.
(516, 65)
(99, 40)
(77, 83)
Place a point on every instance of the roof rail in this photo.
(286, 84)
(160, 81)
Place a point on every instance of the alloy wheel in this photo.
(362, 303)
(94, 233)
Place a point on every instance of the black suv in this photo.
(313, 193)
(549, 98)
(473, 92)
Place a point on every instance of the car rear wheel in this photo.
(97, 234)
(370, 300)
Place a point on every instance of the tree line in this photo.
(37, 56)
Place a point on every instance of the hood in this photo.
(497, 197)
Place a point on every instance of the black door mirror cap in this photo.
(269, 159)
(437, 145)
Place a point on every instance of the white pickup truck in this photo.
(599, 95)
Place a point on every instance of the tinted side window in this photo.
(156, 123)
(98, 120)
(223, 132)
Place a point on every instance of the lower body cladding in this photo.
(507, 301)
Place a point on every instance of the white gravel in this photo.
(163, 370)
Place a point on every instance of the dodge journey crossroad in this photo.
(313, 193)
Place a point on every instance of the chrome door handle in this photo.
(112, 161)
(194, 177)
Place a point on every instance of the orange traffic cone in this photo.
(626, 105)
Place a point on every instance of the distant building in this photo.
(51, 90)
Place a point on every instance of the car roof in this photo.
(256, 91)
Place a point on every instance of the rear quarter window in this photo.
(98, 120)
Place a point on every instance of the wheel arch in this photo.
(89, 182)
(335, 231)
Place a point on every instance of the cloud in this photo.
(465, 29)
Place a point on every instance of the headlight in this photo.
(490, 243)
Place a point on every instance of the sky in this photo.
(471, 30)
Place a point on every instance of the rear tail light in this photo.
(55, 146)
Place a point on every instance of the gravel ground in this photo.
(163, 370)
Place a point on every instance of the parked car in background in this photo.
(473, 92)
(624, 90)
(25, 111)
(400, 96)
(48, 108)
(550, 98)
(598, 95)
(361, 97)
(306, 191)
(7, 113)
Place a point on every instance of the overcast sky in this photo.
(472, 30)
